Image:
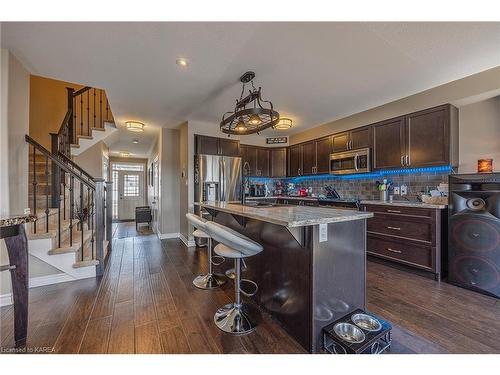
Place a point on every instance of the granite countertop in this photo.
(290, 216)
(406, 204)
(8, 221)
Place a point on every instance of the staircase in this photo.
(73, 230)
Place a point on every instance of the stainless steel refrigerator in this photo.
(217, 178)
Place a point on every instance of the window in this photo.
(130, 185)
(128, 167)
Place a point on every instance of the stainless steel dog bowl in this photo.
(366, 322)
(349, 332)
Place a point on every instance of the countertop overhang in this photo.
(290, 216)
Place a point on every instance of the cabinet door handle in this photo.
(394, 228)
(394, 211)
(393, 251)
(407, 160)
(298, 171)
(402, 160)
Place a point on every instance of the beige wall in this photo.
(479, 134)
(183, 180)
(4, 133)
(456, 92)
(18, 117)
(14, 117)
(169, 182)
(92, 159)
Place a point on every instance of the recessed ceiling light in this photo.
(124, 154)
(135, 141)
(182, 62)
(135, 126)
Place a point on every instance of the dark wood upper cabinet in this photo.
(249, 160)
(389, 143)
(262, 162)
(323, 151)
(229, 147)
(361, 138)
(207, 145)
(308, 158)
(216, 146)
(278, 162)
(428, 134)
(340, 142)
(294, 160)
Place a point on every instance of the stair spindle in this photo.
(94, 106)
(101, 125)
(72, 208)
(81, 114)
(81, 215)
(47, 194)
(34, 186)
(88, 115)
(91, 221)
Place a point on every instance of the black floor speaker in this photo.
(474, 232)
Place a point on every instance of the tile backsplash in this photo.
(362, 188)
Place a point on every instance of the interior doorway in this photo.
(128, 189)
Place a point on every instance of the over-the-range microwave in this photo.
(353, 161)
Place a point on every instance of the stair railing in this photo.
(90, 202)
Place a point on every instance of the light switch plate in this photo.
(323, 232)
(396, 190)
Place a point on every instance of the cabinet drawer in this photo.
(412, 229)
(399, 210)
(411, 254)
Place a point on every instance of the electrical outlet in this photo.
(404, 189)
(396, 190)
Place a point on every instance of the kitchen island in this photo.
(313, 267)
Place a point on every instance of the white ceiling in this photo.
(312, 72)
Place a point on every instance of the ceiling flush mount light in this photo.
(124, 154)
(135, 126)
(182, 62)
(284, 124)
(135, 141)
(251, 114)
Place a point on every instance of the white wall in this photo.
(479, 134)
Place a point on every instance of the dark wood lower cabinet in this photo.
(411, 236)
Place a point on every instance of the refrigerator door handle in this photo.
(223, 179)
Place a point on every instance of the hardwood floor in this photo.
(146, 303)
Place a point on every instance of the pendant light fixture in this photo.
(251, 114)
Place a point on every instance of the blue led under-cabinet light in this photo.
(376, 174)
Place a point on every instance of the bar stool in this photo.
(210, 280)
(234, 318)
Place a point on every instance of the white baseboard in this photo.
(165, 236)
(50, 279)
(6, 299)
(188, 243)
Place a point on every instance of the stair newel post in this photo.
(56, 172)
(47, 211)
(99, 223)
(109, 214)
(71, 135)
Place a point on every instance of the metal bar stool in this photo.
(234, 318)
(211, 280)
